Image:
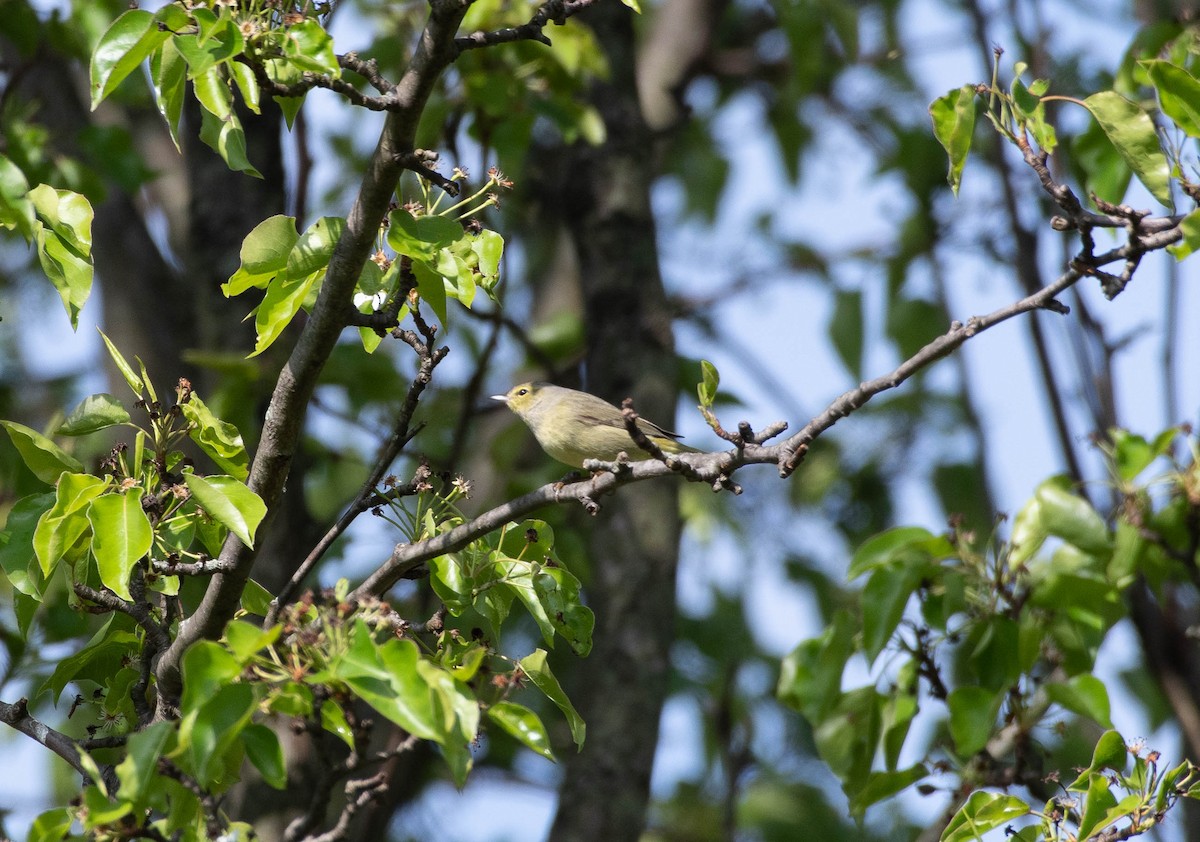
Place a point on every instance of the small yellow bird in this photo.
(573, 426)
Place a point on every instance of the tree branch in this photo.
(17, 716)
(552, 11)
(294, 388)
(714, 468)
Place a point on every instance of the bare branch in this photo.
(715, 468)
(17, 716)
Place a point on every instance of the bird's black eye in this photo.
(522, 392)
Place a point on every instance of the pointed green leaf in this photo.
(312, 251)
(522, 724)
(309, 47)
(283, 300)
(534, 665)
(1178, 94)
(207, 666)
(219, 439)
(43, 457)
(972, 717)
(983, 813)
(1132, 132)
(123, 46)
(168, 76)
(228, 139)
(17, 554)
(95, 412)
(229, 502)
(139, 770)
(710, 381)
(265, 752)
(65, 523)
(131, 377)
(121, 536)
(1085, 695)
(953, 118)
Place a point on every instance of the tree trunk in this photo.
(605, 199)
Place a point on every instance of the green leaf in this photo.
(64, 240)
(449, 579)
(43, 457)
(256, 599)
(247, 85)
(229, 502)
(65, 523)
(972, 717)
(168, 77)
(95, 412)
(285, 296)
(883, 602)
(523, 724)
(386, 677)
(1102, 169)
(488, 246)
(907, 544)
(1178, 94)
(848, 738)
(207, 666)
(953, 118)
(1190, 228)
(68, 214)
(217, 42)
(309, 47)
(333, 720)
(99, 659)
(421, 238)
(1071, 517)
(883, 785)
(131, 378)
(17, 553)
(265, 250)
(1032, 112)
(265, 752)
(247, 639)
(16, 210)
(534, 665)
(312, 251)
(846, 329)
(121, 536)
(228, 139)
(710, 380)
(215, 729)
(1097, 804)
(219, 439)
(1110, 753)
(122, 47)
(431, 287)
(1130, 129)
(810, 677)
(213, 93)
(983, 812)
(1085, 695)
(51, 826)
(139, 770)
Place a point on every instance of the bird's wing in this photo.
(607, 419)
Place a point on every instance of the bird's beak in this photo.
(503, 398)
